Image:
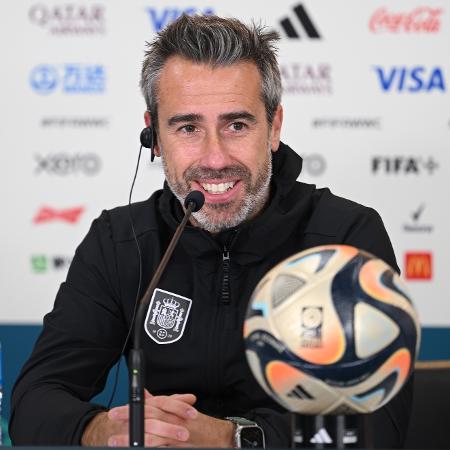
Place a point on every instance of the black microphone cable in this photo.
(136, 303)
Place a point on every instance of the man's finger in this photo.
(174, 406)
(166, 430)
(188, 398)
(181, 408)
(119, 413)
(122, 440)
(152, 412)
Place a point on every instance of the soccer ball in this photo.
(331, 330)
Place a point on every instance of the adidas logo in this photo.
(305, 23)
(299, 393)
(321, 437)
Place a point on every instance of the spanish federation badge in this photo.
(167, 316)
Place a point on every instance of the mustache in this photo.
(234, 171)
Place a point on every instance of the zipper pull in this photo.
(226, 276)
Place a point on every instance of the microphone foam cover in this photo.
(197, 198)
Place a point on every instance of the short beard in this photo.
(255, 197)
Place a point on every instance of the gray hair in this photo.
(218, 42)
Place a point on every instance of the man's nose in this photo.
(215, 152)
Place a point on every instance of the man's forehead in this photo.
(187, 87)
(181, 74)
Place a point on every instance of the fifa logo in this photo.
(166, 317)
(311, 320)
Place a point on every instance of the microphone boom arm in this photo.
(194, 201)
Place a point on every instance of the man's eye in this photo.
(238, 126)
(188, 129)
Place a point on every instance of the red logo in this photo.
(420, 20)
(46, 214)
(418, 266)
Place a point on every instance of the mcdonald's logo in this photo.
(418, 266)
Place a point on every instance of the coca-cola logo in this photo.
(423, 19)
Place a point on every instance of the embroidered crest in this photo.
(167, 316)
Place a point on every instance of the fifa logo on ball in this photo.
(311, 326)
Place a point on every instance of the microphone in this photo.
(195, 197)
(194, 202)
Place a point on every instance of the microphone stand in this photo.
(194, 201)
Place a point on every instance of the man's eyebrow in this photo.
(180, 118)
(226, 117)
(237, 115)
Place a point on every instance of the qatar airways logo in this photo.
(68, 18)
(423, 19)
(300, 78)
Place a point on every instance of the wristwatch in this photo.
(247, 434)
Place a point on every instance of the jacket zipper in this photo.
(226, 300)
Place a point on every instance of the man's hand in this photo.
(169, 421)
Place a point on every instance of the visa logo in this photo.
(410, 79)
(162, 18)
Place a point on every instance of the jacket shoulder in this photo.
(333, 214)
(336, 220)
(143, 216)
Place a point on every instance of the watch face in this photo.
(252, 437)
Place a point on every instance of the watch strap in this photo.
(242, 423)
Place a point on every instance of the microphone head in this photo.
(196, 198)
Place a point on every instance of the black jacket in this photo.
(83, 335)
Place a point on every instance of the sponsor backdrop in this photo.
(366, 104)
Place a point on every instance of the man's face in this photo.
(214, 137)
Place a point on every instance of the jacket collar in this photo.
(289, 205)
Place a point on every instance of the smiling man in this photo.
(212, 120)
(207, 117)
(213, 93)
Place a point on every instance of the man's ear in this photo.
(275, 131)
(148, 123)
(147, 118)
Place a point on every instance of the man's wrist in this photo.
(227, 438)
(93, 434)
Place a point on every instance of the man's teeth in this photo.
(218, 188)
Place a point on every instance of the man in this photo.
(213, 93)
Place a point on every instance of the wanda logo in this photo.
(420, 20)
